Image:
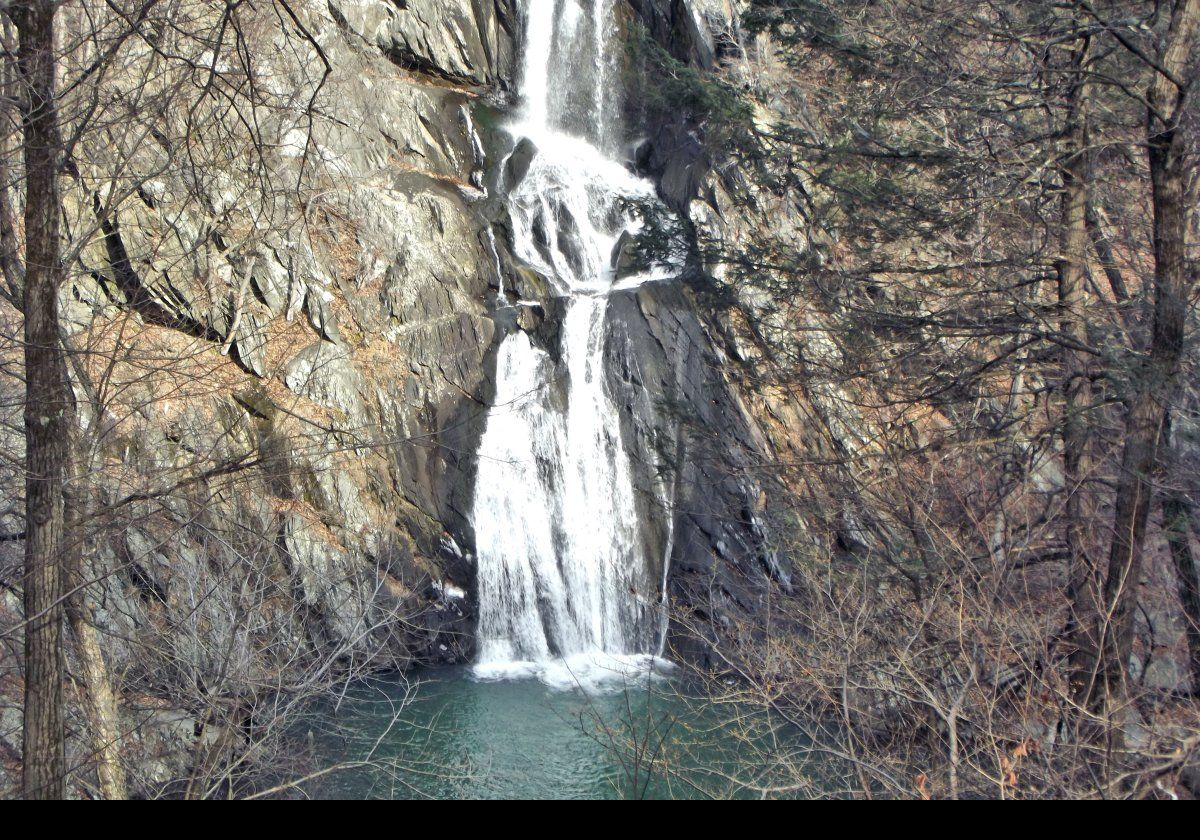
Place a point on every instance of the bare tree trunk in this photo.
(48, 410)
(100, 701)
(11, 272)
(1085, 577)
(1169, 167)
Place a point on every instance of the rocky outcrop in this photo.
(695, 31)
(357, 315)
(355, 306)
(467, 41)
(670, 146)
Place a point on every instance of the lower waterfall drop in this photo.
(566, 592)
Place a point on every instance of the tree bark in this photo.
(11, 271)
(1085, 576)
(100, 701)
(1155, 383)
(48, 409)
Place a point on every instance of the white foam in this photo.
(595, 672)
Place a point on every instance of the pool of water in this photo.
(445, 734)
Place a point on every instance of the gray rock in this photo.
(323, 373)
(626, 260)
(333, 536)
(516, 167)
(459, 40)
(251, 342)
(690, 437)
(321, 317)
(271, 282)
(1166, 672)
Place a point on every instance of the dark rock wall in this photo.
(695, 449)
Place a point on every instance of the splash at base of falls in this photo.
(592, 673)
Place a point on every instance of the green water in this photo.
(444, 735)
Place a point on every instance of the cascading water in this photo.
(565, 590)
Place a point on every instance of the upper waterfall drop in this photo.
(566, 590)
(567, 70)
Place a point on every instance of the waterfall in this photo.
(565, 589)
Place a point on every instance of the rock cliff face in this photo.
(357, 328)
(287, 386)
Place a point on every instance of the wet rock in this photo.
(517, 165)
(529, 318)
(529, 285)
(626, 257)
(698, 32)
